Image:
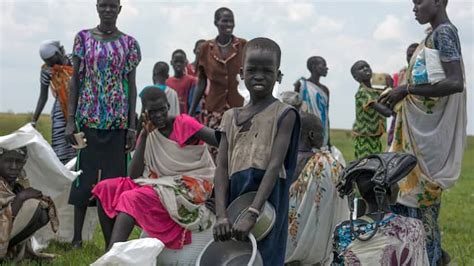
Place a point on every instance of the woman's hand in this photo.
(130, 140)
(242, 227)
(147, 124)
(222, 229)
(393, 97)
(29, 193)
(70, 131)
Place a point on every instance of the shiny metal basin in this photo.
(265, 220)
(230, 253)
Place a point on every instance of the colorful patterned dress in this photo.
(369, 125)
(315, 210)
(249, 153)
(399, 241)
(102, 110)
(105, 65)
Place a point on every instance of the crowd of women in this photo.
(196, 148)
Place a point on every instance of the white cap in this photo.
(49, 48)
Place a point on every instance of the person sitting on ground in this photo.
(369, 125)
(379, 237)
(23, 210)
(173, 167)
(400, 79)
(258, 152)
(181, 82)
(313, 198)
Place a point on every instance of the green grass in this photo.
(456, 218)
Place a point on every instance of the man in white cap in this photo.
(55, 74)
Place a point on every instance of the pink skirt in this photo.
(121, 194)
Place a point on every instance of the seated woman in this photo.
(23, 211)
(172, 174)
(379, 237)
(315, 207)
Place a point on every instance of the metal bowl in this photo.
(230, 253)
(265, 220)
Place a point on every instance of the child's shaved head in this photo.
(178, 51)
(361, 71)
(266, 45)
(312, 128)
(161, 69)
(356, 64)
(312, 61)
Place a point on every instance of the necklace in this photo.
(108, 32)
(224, 45)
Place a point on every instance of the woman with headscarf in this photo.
(102, 105)
(55, 74)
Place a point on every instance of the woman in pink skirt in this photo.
(171, 178)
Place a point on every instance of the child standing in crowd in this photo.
(369, 125)
(257, 152)
(315, 206)
(400, 79)
(181, 82)
(160, 75)
(314, 94)
(191, 68)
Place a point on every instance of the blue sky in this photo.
(340, 31)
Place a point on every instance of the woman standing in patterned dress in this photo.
(102, 105)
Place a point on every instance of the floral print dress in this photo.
(105, 65)
(398, 241)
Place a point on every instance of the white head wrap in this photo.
(49, 48)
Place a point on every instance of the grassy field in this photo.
(457, 212)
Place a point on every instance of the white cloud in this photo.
(299, 12)
(389, 29)
(461, 10)
(325, 24)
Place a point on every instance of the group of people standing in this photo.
(280, 149)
